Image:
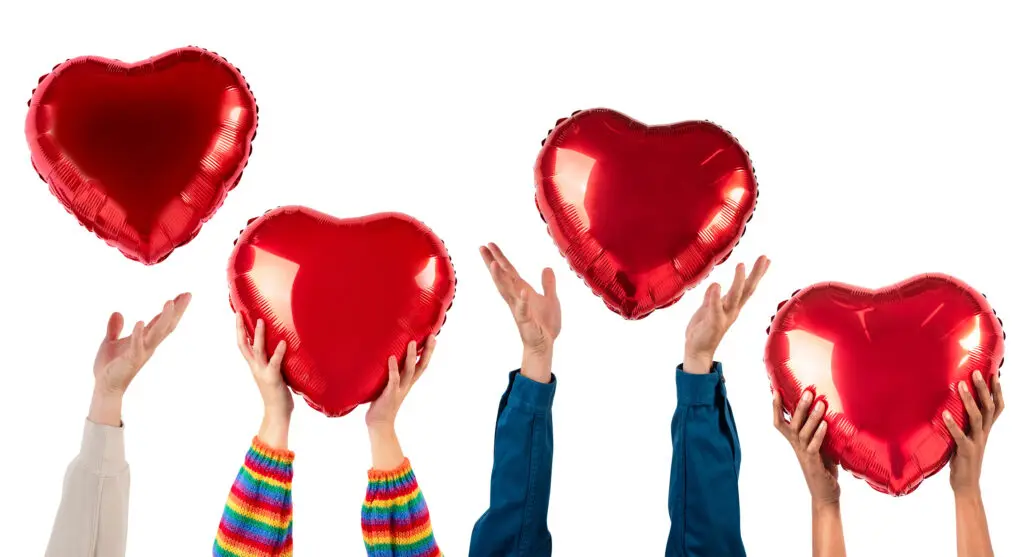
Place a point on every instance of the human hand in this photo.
(277, 398)
(383, 411)
(538, 316)
(965, 467)
(805, 433)
(714, 317)
(119, 360)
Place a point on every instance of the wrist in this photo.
(819, 506)
(105, 408)
(967, 494)
(698, 363)
(536, 364)
(381, 430)
(278, 411)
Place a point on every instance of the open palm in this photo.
(717, 313)
(119, 360)
(538, 316)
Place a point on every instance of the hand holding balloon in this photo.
(119, 360)
(965, 467)
(380, 418)
(805, 432)
(714, 317)
(972, 536)
(277, 399)
(538, 316)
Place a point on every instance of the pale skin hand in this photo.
(714, 317)
(538, 316)
(805, 432)
(385, 449)
(266, 372)
(119, 360)
(965, 468)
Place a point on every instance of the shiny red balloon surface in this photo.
(142, 154)
(345, 294)
(643, 213)
(886, 363)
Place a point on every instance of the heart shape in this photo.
(142, 154)
(643, 213)
(886, 363)
(345, 294)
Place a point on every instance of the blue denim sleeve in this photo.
(703, 493)
(515, 524)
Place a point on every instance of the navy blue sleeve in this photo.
(515, 524)
(703, 494)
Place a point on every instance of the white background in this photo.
(886, 141)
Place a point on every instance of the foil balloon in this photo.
(344, 294)
(142, 154)
(886, 363)
(642, 213)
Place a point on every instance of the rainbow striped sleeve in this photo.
(396, 522)
(257, 520)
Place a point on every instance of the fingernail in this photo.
(822, 425)
(806, 396)
(963, 387)
(977, 375)
(947, 416)
(819, 407)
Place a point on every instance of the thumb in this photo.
(547, 282)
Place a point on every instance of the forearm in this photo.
(395, 519)
(972, 537)
(704, 483)
(515, 522)
(92, 519)
(105, 408)
(274, 428)
(385, 450)
(827, 530)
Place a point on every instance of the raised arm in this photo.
(395, 520)
(805, 432)
(515, 522)
(257, 519)
(92, 520)
(972, 537)
(703, 499)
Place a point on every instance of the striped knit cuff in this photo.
(263, 451)
(257, 519)
(395, 516)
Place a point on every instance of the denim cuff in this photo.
(698, 389)
(526, 394)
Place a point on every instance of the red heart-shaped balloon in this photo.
(643, 213)
(345, 294)
(142, 154)
(887, 364)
